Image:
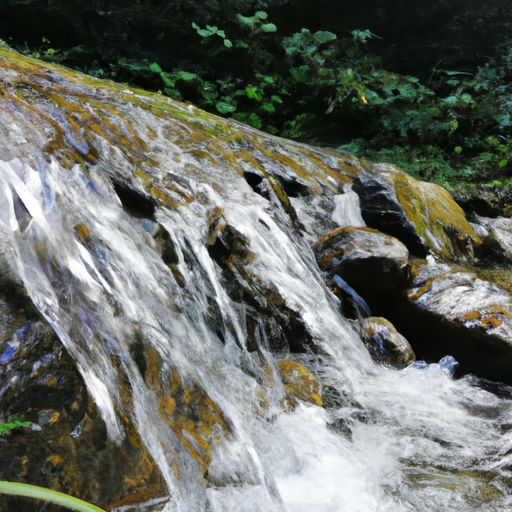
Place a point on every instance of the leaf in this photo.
(268, 107)
(323, 36)
(451, 100)
(276, 99)
(155, 67)
(255, 121)
(248, 21)
(47, 495)
(253, 93)
(186, 76)
(268, 27)
(503, 163)
(262, 15)
(228, 43)
(11, 425)
(225, 107)
(167, 80)
(457, 150)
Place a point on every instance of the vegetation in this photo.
(13, 424)
(47, 495)
(246, 60)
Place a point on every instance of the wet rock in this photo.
(486, 200)
(299, 383)
(422, 215)
(372, 263)
(385, 344)
(67, 447)
(450, 310)
(497, 244)
(270, 322)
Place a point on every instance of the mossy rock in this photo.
(450, 310)
(385, 344)
(299, 383)
(422, 215)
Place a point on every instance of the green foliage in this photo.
(12, 424)
(241, 60)
(47, 496)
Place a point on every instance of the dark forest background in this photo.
(424, 84)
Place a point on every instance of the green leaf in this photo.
(457, 150)
(185, 76)
(323, 36)
(503, 163)
(268, 27)
(228, 43)
(255, 121)
(248, 21)
(262, 15)
(276, 99)
(253, 93)
(225, 106)
(167, 80)
(155, 67)
(11, 425)
(47, 495)
(268, 107)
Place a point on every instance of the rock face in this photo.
(497, 238)
(486, 200)
(373, 263)
(385, 344)
(452, 311)
(67, 444)
(422, 215)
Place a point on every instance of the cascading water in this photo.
(410, 440)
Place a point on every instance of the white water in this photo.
(419, 441)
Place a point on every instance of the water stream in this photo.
(410, 440)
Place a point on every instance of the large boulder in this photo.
(422, 215)
(385, 344)
(450, 310)
(372, 263)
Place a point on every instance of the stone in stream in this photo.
(372, 263)
(422, 215)
(450, 310)
(385, 344)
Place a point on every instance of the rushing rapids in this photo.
(162, 247)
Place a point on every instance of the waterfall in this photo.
(409, 440)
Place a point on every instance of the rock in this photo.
(485, 199)
(372, 263)
(299, 383)
(268, 317)
(67, 447)
(497, 244)
(422, 215)
(385, 344)
(450, 310)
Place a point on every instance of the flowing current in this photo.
(410, 440)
